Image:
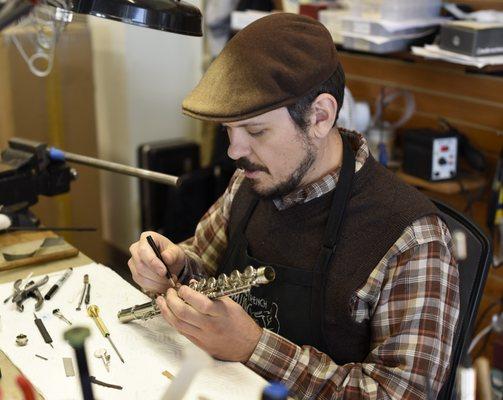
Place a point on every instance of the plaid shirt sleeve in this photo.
(412, 301)
(206, 248)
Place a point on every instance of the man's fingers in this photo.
(180, 325)
(199, 301)
(154, 285)
(183, 311)
(147, 255)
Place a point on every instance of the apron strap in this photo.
(330, 240)
(338, 208)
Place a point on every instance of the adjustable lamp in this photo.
(174, 16)
(165, 15)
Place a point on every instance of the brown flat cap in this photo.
(271, 63)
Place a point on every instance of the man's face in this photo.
(272, 151)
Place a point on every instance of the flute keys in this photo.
(200, 285)
(249, 272)
(235, 278)
(222, 280)
(211, 283)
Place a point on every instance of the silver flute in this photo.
(237, 282)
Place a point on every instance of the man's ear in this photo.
(323, 112)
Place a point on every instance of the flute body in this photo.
(212, 287)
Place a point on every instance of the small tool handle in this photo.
(51, 291)
(43, 331)
(93, 312)
(88, 294)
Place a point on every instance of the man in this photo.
(365, 300)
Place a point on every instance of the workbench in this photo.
(9, 371)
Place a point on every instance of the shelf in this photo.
(469, 183)
(408, 56)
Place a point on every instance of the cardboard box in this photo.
(59, 110)
(474, 39)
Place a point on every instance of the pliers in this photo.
(30, 290)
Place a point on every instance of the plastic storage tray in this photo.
(366, 27)
(395, 10)
(362, 44)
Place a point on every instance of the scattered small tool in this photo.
(58, 284)
(21, 339)
(105, 357)
(86, 282)
(88, 294)
(68, 364)
(30, 290)
(42, 357)
(43, 331)
(108, 385)
(93, 312)
(58, 314)
(26, 279)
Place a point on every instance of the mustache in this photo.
(247, 165)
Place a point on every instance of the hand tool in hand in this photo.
(58, 284)
(86, 282)
(93, 312)
(157, 252)
(58, 314)
(76, 337)
(43, 331)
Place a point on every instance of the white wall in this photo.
(140, 76)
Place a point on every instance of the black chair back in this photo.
(472, 277)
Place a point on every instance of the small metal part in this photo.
(42, 357)
(105, 357)
(168, 375)
(68, 364)
(58, 314)
(21, 339)
(108, 385)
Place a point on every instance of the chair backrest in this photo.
(472, 277)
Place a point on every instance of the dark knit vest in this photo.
(380, 207)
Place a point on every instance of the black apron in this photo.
(293, 305)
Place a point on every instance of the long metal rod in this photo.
(122, 169)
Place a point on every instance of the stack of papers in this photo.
(435, 52)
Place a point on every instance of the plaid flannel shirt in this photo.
(411, 299)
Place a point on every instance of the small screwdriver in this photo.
(157, 252)
(93, 312)
(43, 331)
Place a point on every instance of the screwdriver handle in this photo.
(93, 312)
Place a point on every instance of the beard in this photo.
(291, 183)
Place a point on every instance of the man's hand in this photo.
(221, 327)
(147, 270)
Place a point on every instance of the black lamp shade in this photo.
(165, 15)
